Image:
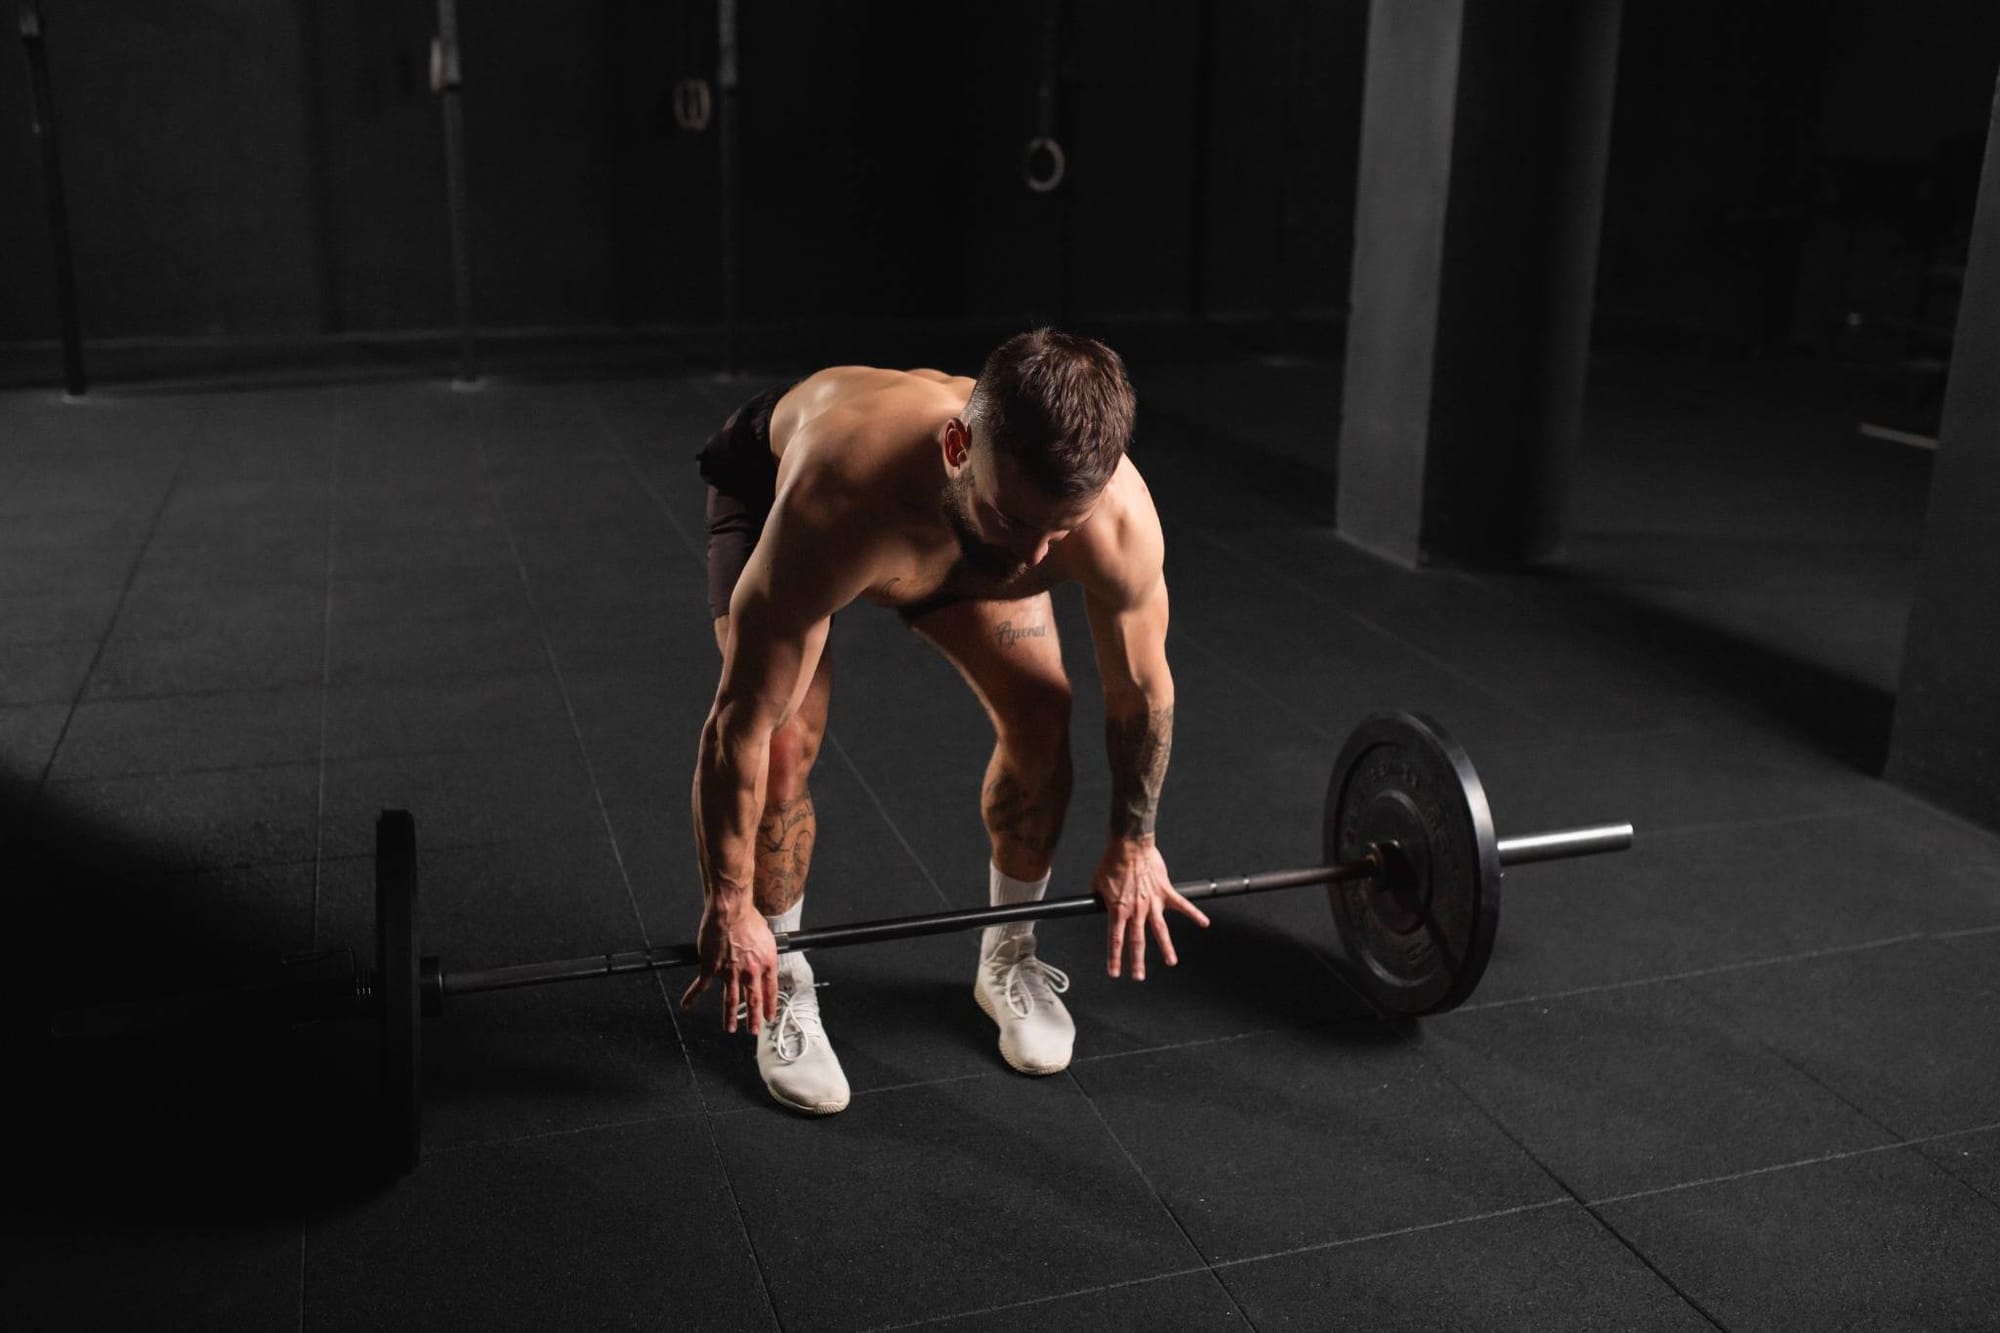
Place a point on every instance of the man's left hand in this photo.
(1132, 881)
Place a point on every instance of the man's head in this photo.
(1047, 422)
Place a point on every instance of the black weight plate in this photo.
(1419, 936)
(396, 964)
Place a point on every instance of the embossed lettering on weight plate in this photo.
(1415, 948)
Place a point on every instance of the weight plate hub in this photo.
(1418, 934)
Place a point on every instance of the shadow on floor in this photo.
(225, 1116)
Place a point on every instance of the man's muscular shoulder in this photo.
(1119, 555)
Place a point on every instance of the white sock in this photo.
(784, 923)
(1007, 890)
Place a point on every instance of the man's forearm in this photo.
(727, 805)
(1139, 734)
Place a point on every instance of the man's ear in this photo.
(957, 442)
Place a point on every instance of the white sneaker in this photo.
(1018, 991)
(793, 1053)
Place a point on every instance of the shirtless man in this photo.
(959, 503)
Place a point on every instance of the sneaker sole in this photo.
(979, 994)
(822, 1108)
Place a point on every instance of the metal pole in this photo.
(725, 83)
(447, 81)
(44, 113)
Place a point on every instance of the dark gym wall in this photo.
(277, 169)
(1283, 149)
(182, 130)
(1748, 140)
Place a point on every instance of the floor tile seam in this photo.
(1990, 1198)
(1694, 974)
(1823, 1159)
(1785, 1058)
(325, 697)
(1441, 1067)
(1196, 1043)
(472, 425)
(332, 759)
(1220, 1266)
(914, 1085)
(1151, 1188)
(546, 1135)
(929, 1321)
(1442, 664)
(645, 483)
(538, 840)
(65, 641)
(832, 738)
(160, 696)
(131, 576)
(707, 1121)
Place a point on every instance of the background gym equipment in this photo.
(1413, 871)
(448, 82)
(43, 110)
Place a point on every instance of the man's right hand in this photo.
(736, 945)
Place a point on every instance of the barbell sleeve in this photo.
(1565, 843)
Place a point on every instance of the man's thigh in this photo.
(1008, 652)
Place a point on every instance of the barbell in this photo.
(1412, 868)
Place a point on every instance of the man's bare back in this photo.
(871, 435)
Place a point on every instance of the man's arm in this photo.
(1125, 597)
(811, 560)
(806, 565)
(1138, 705)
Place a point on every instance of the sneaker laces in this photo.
(796, 1023)
(1024, 979)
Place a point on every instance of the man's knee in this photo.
(794, 748)
(1034, 730)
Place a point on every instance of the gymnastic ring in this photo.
(1058, 164)
(692, 104)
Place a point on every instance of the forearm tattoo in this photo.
(1138, 747)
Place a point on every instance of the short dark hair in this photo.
(1060, 406)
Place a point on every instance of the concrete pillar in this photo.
(1946, 740)
(1485, 128)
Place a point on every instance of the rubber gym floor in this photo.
(1743, 1075)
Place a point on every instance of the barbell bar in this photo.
(1412, 869)
(1554, 846)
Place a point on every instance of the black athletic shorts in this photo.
(742, 479)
